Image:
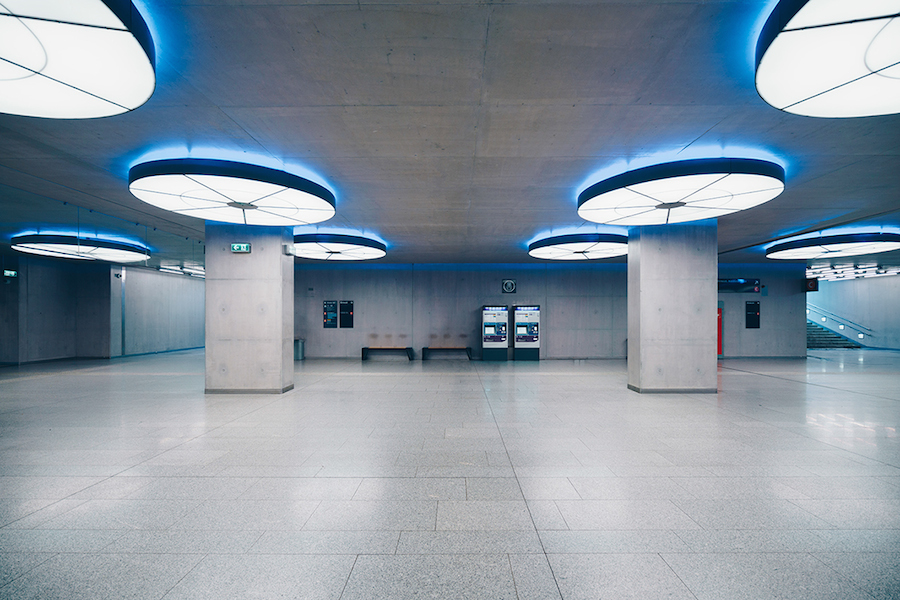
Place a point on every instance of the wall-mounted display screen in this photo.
(330, 314)
(752, 320)
(346, 319)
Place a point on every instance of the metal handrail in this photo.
(838, 318)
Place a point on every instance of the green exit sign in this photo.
(8, 273)
(240, 248)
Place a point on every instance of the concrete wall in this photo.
(782, 307)
(872, 303)
(9, 312)
(62, 310)
(582, 306)
(160, 311)
(672, 308)
(71, 309)
(250, 314)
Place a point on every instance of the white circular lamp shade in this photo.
(831, 58)
(835, 246)
(681, 191)
(70, 246)
(68, 59)
(231, 192)
(579, 246)
(328, 246)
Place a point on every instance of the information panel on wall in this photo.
(346, 314)
(494, 335)
(752, 315)
(527, 334)
(330, 314)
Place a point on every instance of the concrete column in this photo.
(672, 295)
(249, 310)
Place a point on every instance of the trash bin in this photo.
(299, 349)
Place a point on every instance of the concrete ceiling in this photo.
(455, 131)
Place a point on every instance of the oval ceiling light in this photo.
(330, 246)
(681, 191)
(579, 246)
(74, 60)
(70, 246)
(231, 192)
(831, 58)
(834, 246)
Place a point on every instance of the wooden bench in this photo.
(427, 349)
(367, 349)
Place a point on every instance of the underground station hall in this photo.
(476, 300)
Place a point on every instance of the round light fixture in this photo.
(681, 191)
(579, 246)
(330, 246)
(74, 60)
(827, 58)
(70, 246)
(232, 192)
(834, 246)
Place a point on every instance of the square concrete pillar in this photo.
(672, 300)
(249, 310)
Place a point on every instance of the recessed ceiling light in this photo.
(74, 60)
(834, 246)
(579, 246)
(831, 58)
(231, 192)
(329, 246)
(682, 191)
(70, 246)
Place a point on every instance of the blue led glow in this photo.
(753, 39)
(308, 229)
(573, 229)
(184, 150)
(845, 230)
(81, 235)
(147, 14)
(691, 152)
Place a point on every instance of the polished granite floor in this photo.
(451, 479)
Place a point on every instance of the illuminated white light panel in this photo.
(835, 246)
(831, 58)
(320, 246)
(74, 59)
(63, 246)
(582, 246)
(231, 192)
(681, 191)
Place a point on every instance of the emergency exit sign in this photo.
(240, 248)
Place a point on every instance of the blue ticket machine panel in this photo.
(527, 333)
(494, 332)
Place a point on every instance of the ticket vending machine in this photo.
(527, 333)
(494, 334)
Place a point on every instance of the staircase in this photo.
(817, 337)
